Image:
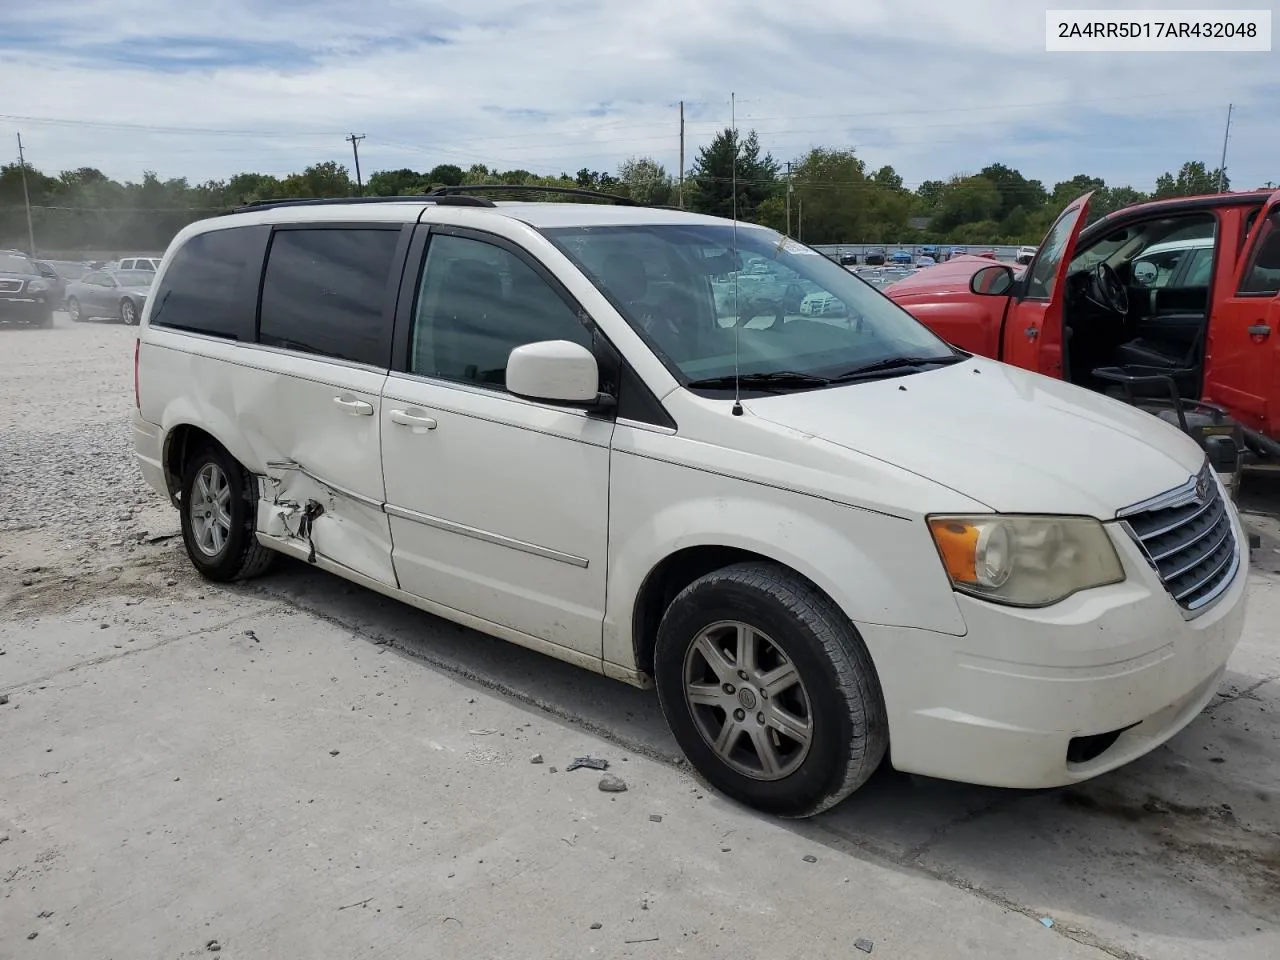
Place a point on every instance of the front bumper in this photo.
(25, 309)
(1049, 697)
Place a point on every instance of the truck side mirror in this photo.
(993, 281)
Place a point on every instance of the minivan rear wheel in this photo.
(769, 690)
(218, 517)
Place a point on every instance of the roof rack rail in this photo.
(440, 192)
(322, 201)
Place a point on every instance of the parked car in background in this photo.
(900, 257)
(1025, 255)
(848, 259)
(62, 272)
(109, 294)
(139, 263)
(27, 297)
(814, 536)
(925, 261)
(875, 257)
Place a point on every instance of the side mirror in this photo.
(993, 281)
(1145, 272)
(555, 370)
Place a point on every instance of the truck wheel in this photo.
(769, 690)
(219, 518)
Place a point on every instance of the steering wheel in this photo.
(1112, 292)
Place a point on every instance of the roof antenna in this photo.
(737, 260)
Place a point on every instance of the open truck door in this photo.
(1242, 359)
(1032, 332)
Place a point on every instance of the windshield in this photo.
(134, 278)
(14, 263)
(786, 307)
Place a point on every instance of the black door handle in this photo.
(1259, 330)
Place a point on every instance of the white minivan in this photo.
(824, 537)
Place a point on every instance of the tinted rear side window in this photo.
(210, 286)
(329, 292)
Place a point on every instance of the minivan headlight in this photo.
(1025, 561)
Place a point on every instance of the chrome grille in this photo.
(11, 286)
(1187, 537)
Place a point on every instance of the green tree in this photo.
(397, 183)
(645, 181)
(445, 175)
(328, 179)
(886, 176)
(930, 192)
(1015, 190)
(966, 200)
(1191, 180)
(714, 172)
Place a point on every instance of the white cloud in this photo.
(930, 87)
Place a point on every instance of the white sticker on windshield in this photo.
(790, 246)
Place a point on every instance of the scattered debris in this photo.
(591, 763)
(536, 758)
(173, 583)
(4, 838)
(645, 940)
(334, 753)
(810, 858)
(159, 537)
(611, 784)
(103, 626)
(45, 914)
(26, 582)
(252, 636)
(482, 733)
(725, 849)
(361, 903)
(863, 944)
(552, 770)
(1048, 922)
(32, 935)
(655, 818)
(596, 926)
(213, 946)
(4, 698)
(454, 919)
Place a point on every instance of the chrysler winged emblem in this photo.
(1202, 488)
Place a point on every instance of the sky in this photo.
(932, 87)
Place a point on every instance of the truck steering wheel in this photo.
(1112, 292)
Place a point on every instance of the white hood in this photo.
(1013, 440)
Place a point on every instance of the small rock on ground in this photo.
(611, 784)
(536, 758)
(810, 858)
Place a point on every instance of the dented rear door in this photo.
(324, 333)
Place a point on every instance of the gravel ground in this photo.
(1175, 857)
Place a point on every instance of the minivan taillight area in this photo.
(137, 394)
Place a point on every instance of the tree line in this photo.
(827, 196)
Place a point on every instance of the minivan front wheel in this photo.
(218, 517)
(769, 690)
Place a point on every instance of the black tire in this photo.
(73, 308)
(128, 312)
(849, 727)
(240, 556)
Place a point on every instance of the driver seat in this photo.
(1149, 357)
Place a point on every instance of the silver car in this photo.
(104, 294)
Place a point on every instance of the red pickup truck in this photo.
(1172, 304)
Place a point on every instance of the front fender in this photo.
(879, 569)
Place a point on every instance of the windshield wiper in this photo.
(773, 378)
(890, 364)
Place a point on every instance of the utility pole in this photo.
(788, 198)
(800, 221)
(1222, 167)
(355, 152)
(680, 193)
(26, 198)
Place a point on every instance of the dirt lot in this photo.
(298, 768)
